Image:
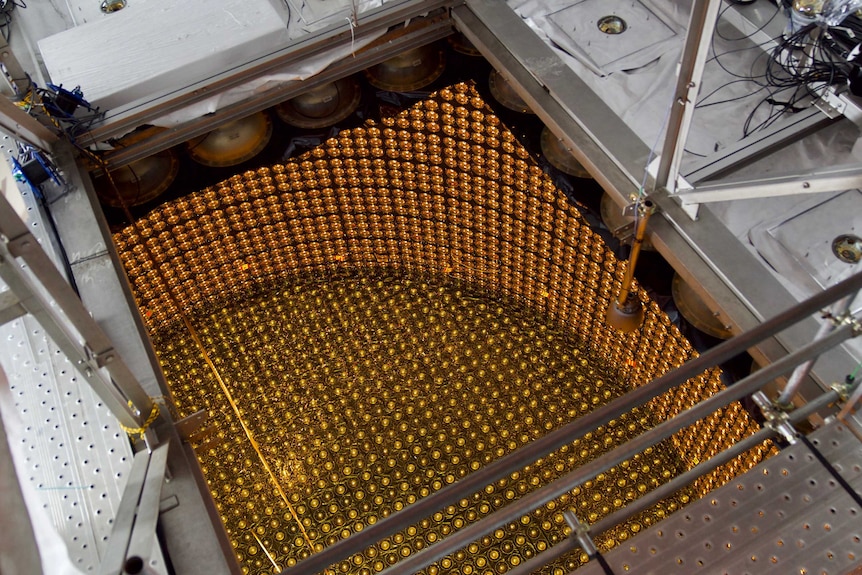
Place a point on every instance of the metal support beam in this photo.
(834, 179)
(425, 33)
(566, 434)
(18, 123)
(121, 120)
(45, 294)
(786, 131)
(134, 534)
(701, 26)
(18, 80)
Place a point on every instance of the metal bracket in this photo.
(776, 418)
(10, 307)
(21, 245)
(846, 388)
(134, 535)
(581, 532)
(831, 105)
(103, 358)
(191, 426)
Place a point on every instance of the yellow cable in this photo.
(140, 431)
(245, 428)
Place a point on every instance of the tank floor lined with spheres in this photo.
(391, 311)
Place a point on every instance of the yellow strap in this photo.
(139, 431)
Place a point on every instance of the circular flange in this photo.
(559, 157)
(140, 182)
(408, 71)
(612, 24)
(503, 92)
(322, 106)
(847, 248)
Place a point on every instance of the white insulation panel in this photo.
(158, 45)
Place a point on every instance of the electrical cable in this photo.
(749, 35)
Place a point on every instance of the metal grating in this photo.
(76, 455)
(787, 515)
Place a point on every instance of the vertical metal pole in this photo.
(645, 210)
(701, 27)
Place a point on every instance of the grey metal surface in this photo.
(101, 283)
(124, 520)
(759, 144)
(843, 450)
(77, 456)
(143, 543)
(134, 530)
(19, 551)
(31, 274)
(833, 179)
(578, 23)
(787, 515)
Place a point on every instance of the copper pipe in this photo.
(645, 210)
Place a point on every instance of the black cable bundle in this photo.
(796, 70)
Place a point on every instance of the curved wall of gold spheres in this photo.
(441, 189)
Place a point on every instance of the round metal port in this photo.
(847, 248)
(612, 24)
(109, 6)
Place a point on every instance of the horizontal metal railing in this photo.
(568, 433)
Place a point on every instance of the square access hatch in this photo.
(613, 35)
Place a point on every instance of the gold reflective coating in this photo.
(395, 309)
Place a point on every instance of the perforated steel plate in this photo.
(787, 515)
(75, 455)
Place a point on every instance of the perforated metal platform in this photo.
(75, 455)
(787, 515)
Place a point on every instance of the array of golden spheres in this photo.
(367, 394)
(440, 189)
